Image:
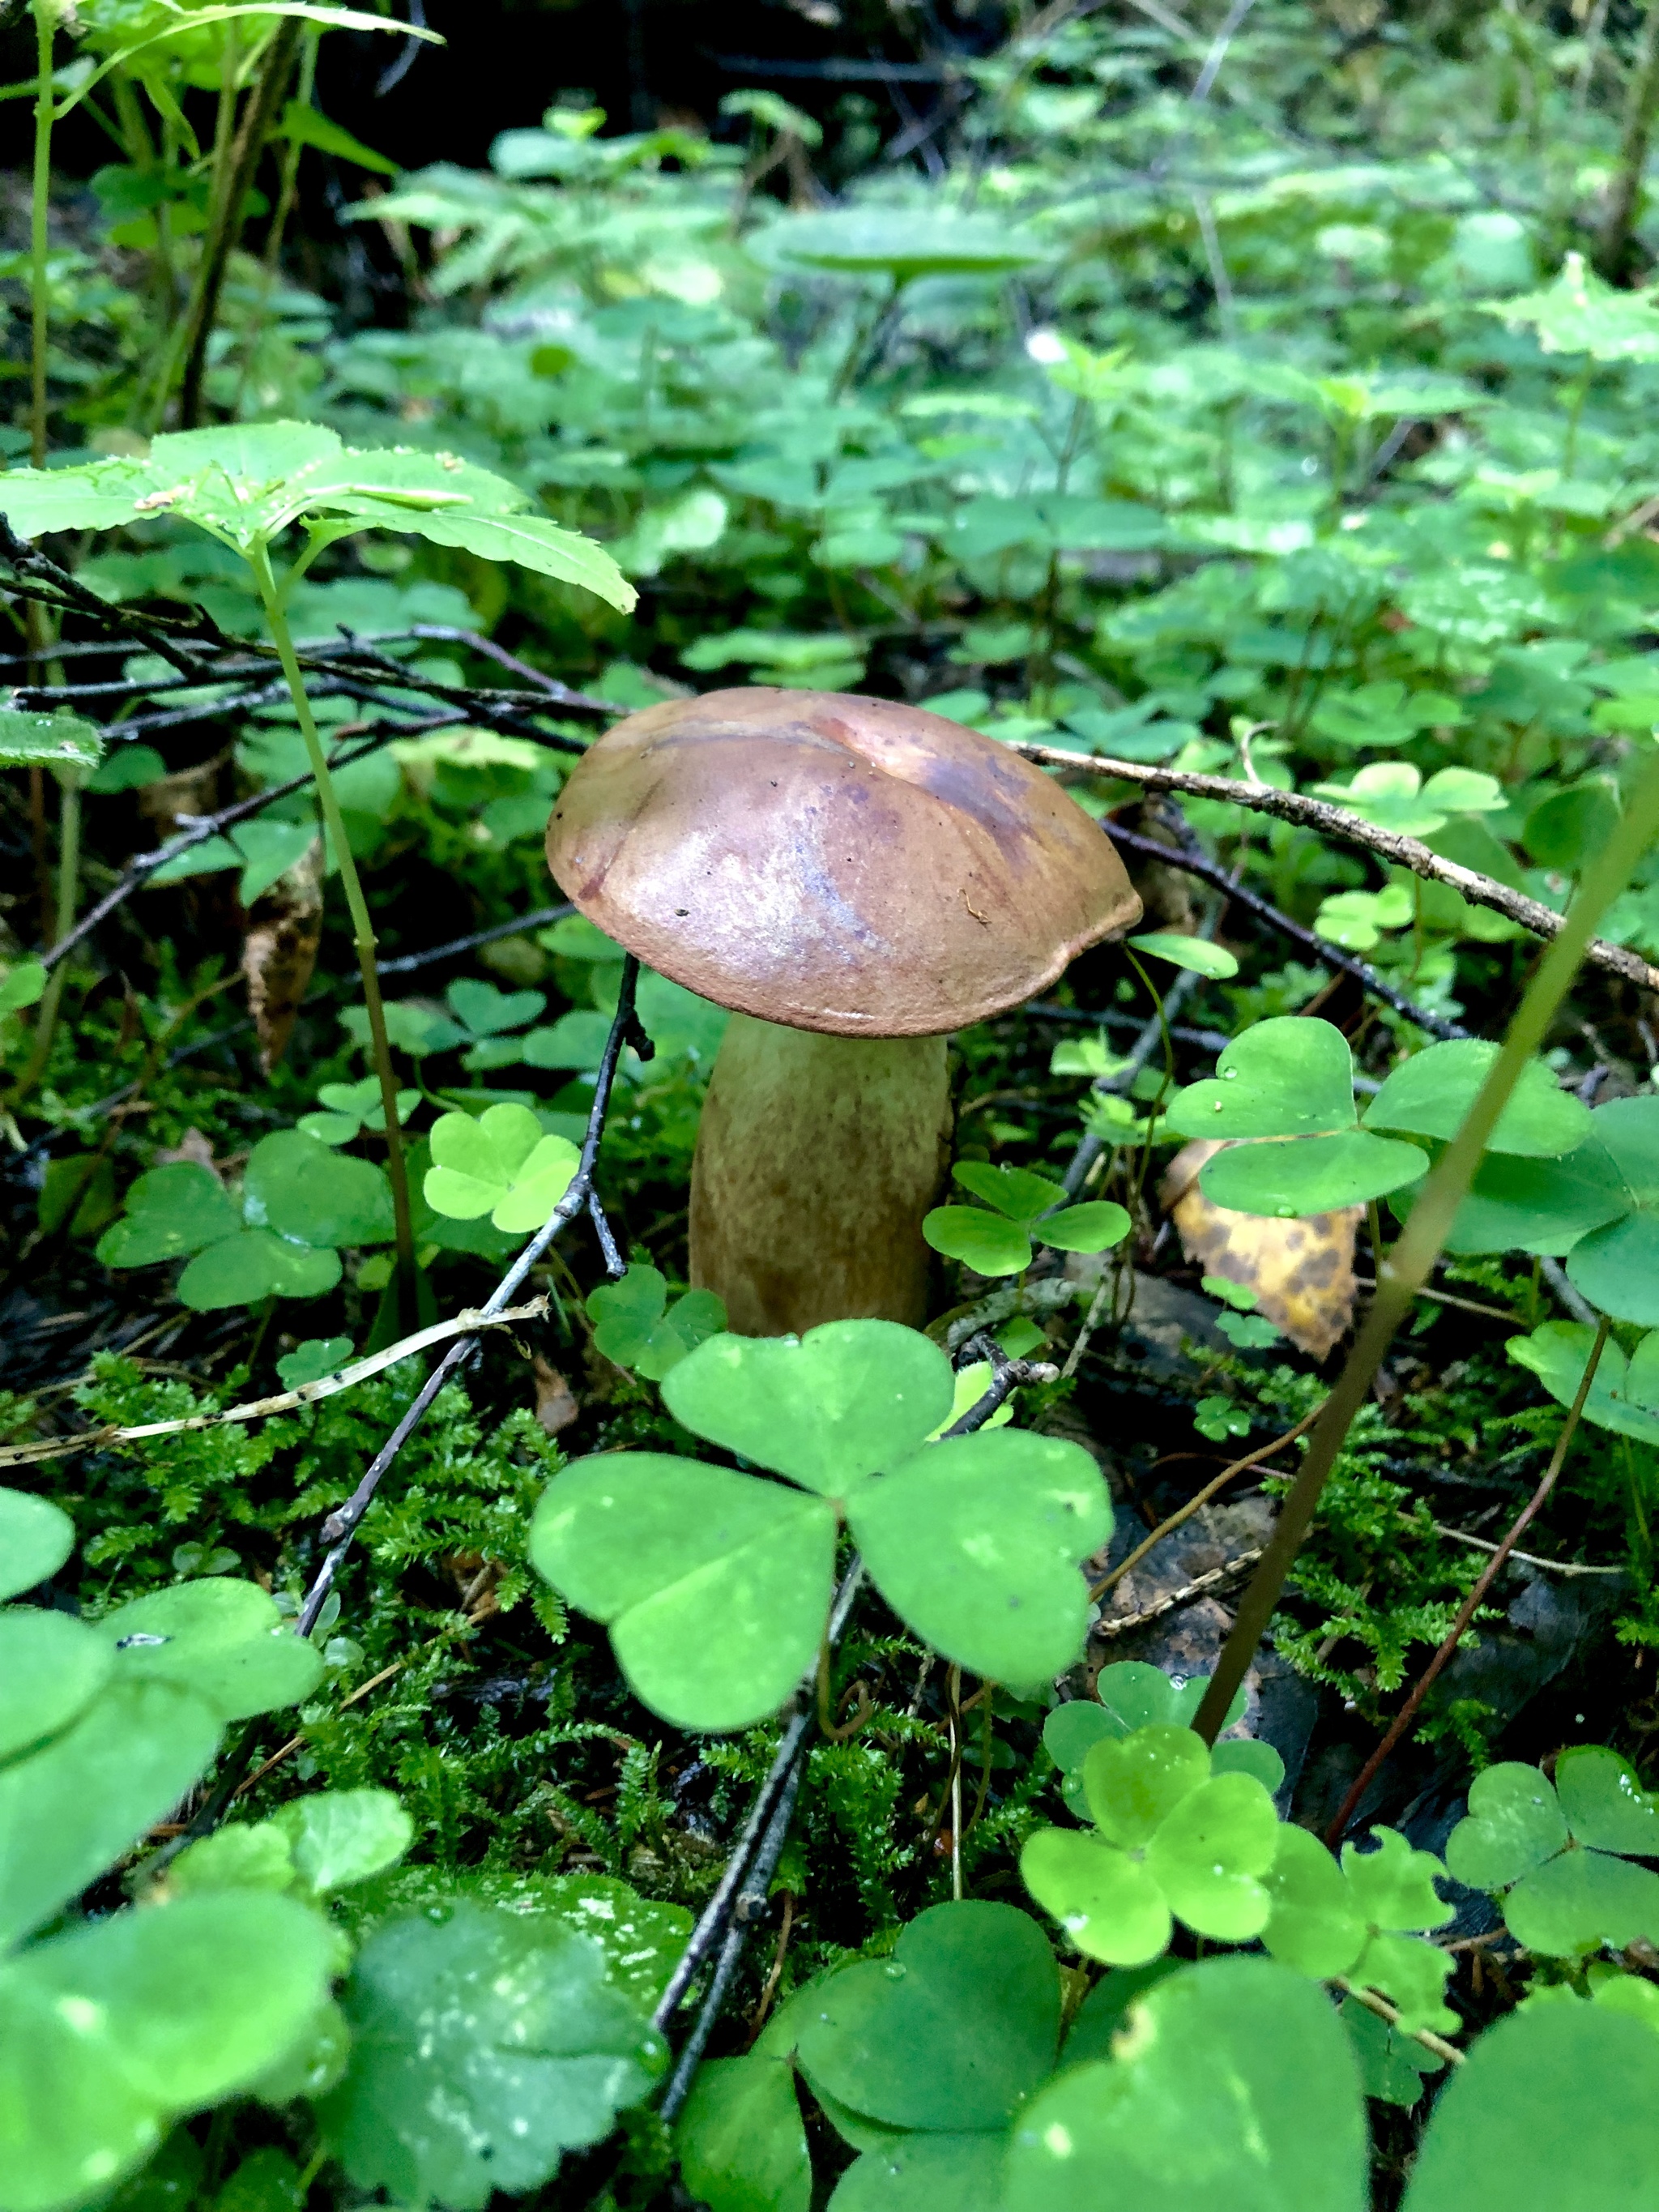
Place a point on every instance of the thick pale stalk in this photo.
(817, 1158)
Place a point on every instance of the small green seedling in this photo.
(1026, 1209)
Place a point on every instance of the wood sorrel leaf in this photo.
(120, 2025)
(976, 1544)
(984, 1241)
(1313, 1174)
(714, 1585)
(71, 1807)
(1106, 1900)
(1617, 1267)
(1132, 1785)
(1429, 1095)
(50, 1668)
(1209, 1855)
(1514, 1823)
(1013, 1192)
(1236, 2092)
(740, 2139)
(1623, 1396)
(222, 1639)
(952, 2032)
(828, 1409)
(1315, 1926)
(1289, 1076)
(36, 1537)
(1564, 2094)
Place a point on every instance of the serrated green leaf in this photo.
(58, 740)
(484, 2046)
(1316, 1925)
(1392, 1885)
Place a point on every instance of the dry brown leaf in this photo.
(1302, 1271)
(279, 951)
(555, 1401)
(192, 1148)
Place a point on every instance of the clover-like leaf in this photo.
(1288, 1077)
(1552, 1853)
(1539, 1205)
(1106, 1899)
(1393, 795)
(1209, 1855)
(1616, 1267)
(36, 1537)
(25, 985)
(984, 1241)
(714, 1585)
(1236, 2088)
(72, 1806)
(837, 1404)
(740, 2139)
(310, 1194)
(500, 1164)
(171, 1211)
(488, 1012)
(1310, 1175)
(224, 1639)
(635, 1327)
(951, 2033)
(1624, 1394)
(1562, 2095)
(310, 1360)
(1429, 1095)
(976, 1543)
(1095, 1226)
(917, 2172)
(484, 2045)
(1132, 1784)
(253, 1264)
(51, 1667)
(118, 2025)
(1015, 1193)
(351, 1108)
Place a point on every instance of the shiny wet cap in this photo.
(834, 863)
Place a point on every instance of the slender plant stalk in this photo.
(1613, 248)
(1406, 1268)
(259, 116)
(1466, 1613)
(362, 928)
(273, 253)
(68, 876)
(45, 24)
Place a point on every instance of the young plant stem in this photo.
(45, 27)
(1466, 1613)
(1613, 248)
(362, 927)
(68, 876)
(1410, 1259)
(259, 116)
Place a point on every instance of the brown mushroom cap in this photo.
(834, 863)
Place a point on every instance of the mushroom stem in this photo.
(816, 1158)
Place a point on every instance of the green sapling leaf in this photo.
(1195, 954)
(59, 741)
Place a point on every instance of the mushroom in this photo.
(853, 878)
